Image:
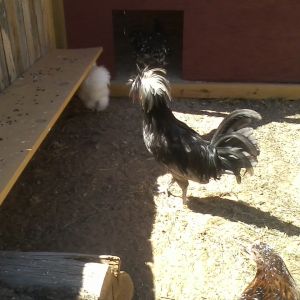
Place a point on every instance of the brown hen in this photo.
(272, 281)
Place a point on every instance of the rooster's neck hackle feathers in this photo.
(151, 88)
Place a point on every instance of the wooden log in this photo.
(64, 276)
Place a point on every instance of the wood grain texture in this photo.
(7, 44)
(41, 30)
(27, 33)
(32, 104)
(217, 90)
(16, 35)
(59, 24)
(15, 19)
(4, 81)
(31, 30)
(59, 275)
(49, 24)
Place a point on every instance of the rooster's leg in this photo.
(165, 190)
(169, 186)
(183, 185)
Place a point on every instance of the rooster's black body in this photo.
(181, 149)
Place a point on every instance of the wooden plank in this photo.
(3, 69)
(45, 23)
(17, 34)
(41, 26)
(49, 22)
(59, 24)
(35, 31)
(7, 44)
(213, 90)
(31, 30)
(64, 276)
(33, 103)
(237, 90)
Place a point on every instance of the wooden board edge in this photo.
(42, 136)
(222, 90)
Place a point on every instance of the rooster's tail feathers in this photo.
(238, 140)
(237, 120)
(236, 145)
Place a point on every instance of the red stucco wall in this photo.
(230, 40)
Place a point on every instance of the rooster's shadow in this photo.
(239, 211)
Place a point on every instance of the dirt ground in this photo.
(92, 188)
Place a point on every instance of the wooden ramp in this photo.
(33, 103)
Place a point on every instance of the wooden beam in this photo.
(213, 90)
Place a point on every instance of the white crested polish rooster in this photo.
(182, 150)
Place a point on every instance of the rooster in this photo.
(182, 150)
(273, 279)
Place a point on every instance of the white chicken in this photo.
(94, 91)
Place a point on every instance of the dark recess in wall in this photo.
(129, 21)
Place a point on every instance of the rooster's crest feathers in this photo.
(150, 87)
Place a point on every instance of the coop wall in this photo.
(244, 41)
(26, 34)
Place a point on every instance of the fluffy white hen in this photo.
(94, 91)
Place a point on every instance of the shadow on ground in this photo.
(239, 211)
(89, 189)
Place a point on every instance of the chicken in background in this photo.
(272, 281)
(182, 150)
(94, 91)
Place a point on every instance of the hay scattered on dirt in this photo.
(92, 188)
(200, 249)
